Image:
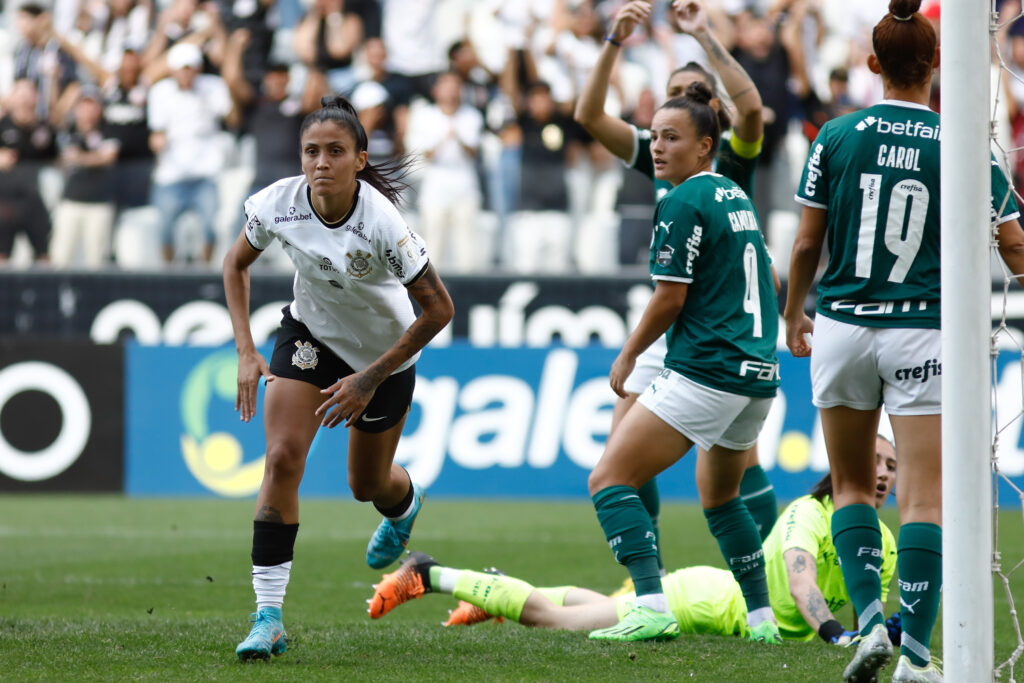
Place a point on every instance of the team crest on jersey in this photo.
(358, 264)
(305, 357)
(665, 255)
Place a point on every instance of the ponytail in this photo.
(387, 177)
(697, 102)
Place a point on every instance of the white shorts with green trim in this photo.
(706, 416)
(864, 367)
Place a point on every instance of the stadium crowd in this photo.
(131, 131)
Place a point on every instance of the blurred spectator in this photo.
(327, 39)
(85, 214)
(184, 21)
(269, 114)
(410, 36)
(399, 91)
(447, 135)
(27, 144)
(250, 16)
(185, 113)
(373, 105)
(107, 29)
(479, 85)
(38, 58)
(540, 230)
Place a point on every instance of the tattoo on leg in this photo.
(269, 513)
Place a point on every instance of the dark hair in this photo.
(386, 177)
(724, 121)
(904, 43)
(823, 489)
(696, 101)
(455, 47)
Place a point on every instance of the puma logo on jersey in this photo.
(873, 568)
(666, 226)
(909, 606)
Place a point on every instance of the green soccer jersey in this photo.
(706, 234)
(876, 173)
(736, 160)
(807, 524)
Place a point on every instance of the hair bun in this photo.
(699, 91)
(338, 102)
(903, 9)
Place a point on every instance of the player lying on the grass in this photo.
(805, 582)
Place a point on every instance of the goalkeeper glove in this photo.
(894, 625)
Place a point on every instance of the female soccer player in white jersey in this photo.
(805, 582)
(736, 159)
(870, 188)
(346, 348)
(715, 296)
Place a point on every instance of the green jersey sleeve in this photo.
(677, 244)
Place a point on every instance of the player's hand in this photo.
(894, 625)
(349, 397)
(689, 16)
(795, 331)
(251, 366)
(621, 369)
(845, 638)
(631, 14)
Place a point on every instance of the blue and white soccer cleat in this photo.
(266, 638)
(389, 540)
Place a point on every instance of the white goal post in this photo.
(967, 625)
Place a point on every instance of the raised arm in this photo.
(690, 16)
(612, 132)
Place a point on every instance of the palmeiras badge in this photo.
(358, 264)
(305, 357)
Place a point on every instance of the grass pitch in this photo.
(107, 588)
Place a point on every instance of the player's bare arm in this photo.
(351, 394)
(803, 264)
(691, 17)
(662, 310)
(1011, 246)
(612, 132)
(802, 572)
(251, 365)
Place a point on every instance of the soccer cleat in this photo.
(389, 540)
(873, 652)
(266, 638)
(907, 672)
(467, 614)
(641, 623)
(766, 632)
(401, 585)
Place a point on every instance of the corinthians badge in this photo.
(358, 264)
(305, 357)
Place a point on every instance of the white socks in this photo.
(655, 601)
(270, 584)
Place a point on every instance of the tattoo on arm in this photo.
(269, 513)
(798, 564)
(816, 606)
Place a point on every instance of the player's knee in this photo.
(365, 490)
(284, 463)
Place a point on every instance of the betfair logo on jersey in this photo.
(913, 129)
(743, 220)
(763, 371)
(930, 368)
(726, 193)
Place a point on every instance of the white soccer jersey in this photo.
(350, 276)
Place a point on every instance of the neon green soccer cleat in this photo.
(766, 632)
(266, 638)
(641, 623)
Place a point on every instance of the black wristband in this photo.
(611, 39)
(829, 630)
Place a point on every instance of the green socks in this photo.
(758, 495)
(627, 526)
(919, 566)
(651, 500)
(736, 533)
(501, 596)
(858, 542)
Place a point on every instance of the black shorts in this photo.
(299, 355)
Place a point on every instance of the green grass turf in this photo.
(106, 588)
